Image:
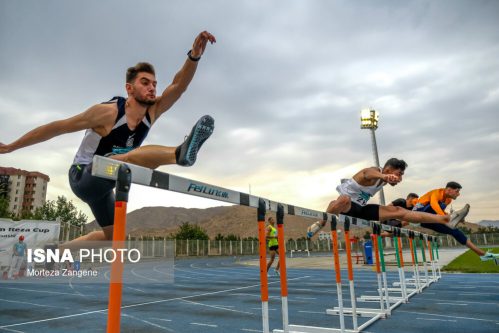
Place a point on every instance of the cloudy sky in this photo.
(285, 83)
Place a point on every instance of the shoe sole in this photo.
(461, 216)
(201, 131)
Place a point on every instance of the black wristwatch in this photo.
(189, 54)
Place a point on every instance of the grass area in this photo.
(469, 262)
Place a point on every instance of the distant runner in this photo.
(408, 203)
(273, 244)
(435, 202)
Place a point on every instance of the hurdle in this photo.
(355, 311)
(293, 251)
(414, 281)
(123, 182)
(115, 170)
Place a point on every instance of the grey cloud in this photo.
(296, 72)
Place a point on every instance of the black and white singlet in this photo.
(119, 141)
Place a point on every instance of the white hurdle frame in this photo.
(107, 168)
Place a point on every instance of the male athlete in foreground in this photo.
(117, 129)
(356, 192)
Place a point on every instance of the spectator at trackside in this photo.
(19, 253)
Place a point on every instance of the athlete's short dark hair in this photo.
(132, 72)
(396, 164)
(454, 185)
(412, 195)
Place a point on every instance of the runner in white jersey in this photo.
(356, 192)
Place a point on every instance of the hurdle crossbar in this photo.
(108, 168)
(105, 167)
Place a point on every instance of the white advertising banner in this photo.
(36, 235)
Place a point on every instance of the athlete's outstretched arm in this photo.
(184, 76)
(374, 173)
(94, 117)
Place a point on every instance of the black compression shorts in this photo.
(393, 223)
(367, 212)
(95, 191)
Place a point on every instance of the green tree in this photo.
(219, 237)
(4, 208)
(232, 237)
(63, 208)
(189, 231)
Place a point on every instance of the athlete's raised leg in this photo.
(399, 213)
(341, 205)
(153, 156)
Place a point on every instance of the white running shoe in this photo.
(313, 229)
(489, 256)
(276, 272)
(458, 216)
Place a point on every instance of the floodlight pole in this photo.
(371, 123)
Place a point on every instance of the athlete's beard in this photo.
(145, 102)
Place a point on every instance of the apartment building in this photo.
(25, 190)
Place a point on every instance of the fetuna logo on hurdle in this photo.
(305, 212)
(208, 190)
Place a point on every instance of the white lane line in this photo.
(143, 277)
(437, 315)
(196, 273)
(41, 291)
(461, 304)
(20, 302)
(433, 319)
(250, 330)
(471, 293)
(254, 295)
(76, 291)
(10, 330)
(454, 302)
(157, 270)
(201, 324)
(147, 303)
(147, 322)
(216, 307)
(260, 308)
(162, 319)
(180, 277)
(139, 290)
(319, 312)
(306, 298)
(241, 271)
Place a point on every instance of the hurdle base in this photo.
(293, 251)
(391, 299)
(361, 312)
(313, 329)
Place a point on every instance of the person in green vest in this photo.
(272, 244)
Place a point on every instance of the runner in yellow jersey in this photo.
(272, 244)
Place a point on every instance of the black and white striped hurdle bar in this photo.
(108, 168)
